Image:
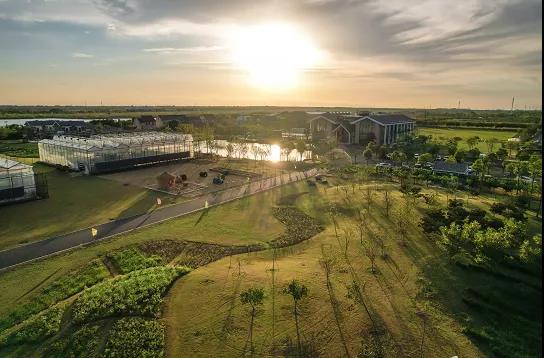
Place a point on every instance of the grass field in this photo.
(203, 314)
(447, 133)
(16, 148)
(73, 203)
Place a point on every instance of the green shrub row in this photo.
(136, 337)
(133, 259)
(62, 288)
(37, 329)
(138, 293)
(80, 343)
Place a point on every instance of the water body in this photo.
(259, 151)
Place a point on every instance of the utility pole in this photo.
(512, 108)
(459, 104)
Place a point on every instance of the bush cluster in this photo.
(133, 259)
(136, 337)
(138, 293)
(38, 328)
(79, 343)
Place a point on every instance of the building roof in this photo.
(386, 119)
(454, 168)
(8, 164)
(350, 119)
(146, 119)
(181, 118)
(51, 122)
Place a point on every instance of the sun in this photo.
(273, 55)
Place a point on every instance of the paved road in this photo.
(61, 243)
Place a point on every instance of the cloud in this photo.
(82, 55)
(172, 50)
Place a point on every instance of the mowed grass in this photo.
(329, 318)
(246, 221)
(73, 203)
(444, 134)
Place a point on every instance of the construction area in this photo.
(188, 179)
(115, 152)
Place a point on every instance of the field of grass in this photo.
(349, 308)
(73, 203)
(16, 148)
(444, 134)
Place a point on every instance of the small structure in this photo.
(166, 181)
(19, 183)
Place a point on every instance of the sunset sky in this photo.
(375, 53)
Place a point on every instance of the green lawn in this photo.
(444, 134)
(203, 313)
(16, 148)
(73, 203)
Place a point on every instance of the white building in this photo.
(17, 182)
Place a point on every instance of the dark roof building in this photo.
(452, 168)
(362, 128)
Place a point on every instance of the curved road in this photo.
(57, 244)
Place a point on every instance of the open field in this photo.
(73, 203)
(447, 133)
(203, 313)
(16, 148)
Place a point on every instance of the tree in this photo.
(254, 298)
(460, 155)
(387, 201)
(230, 150)
(534, 169)
(301, 148)
(481, 167)
(511, 145)
(491, 142)
(473, 142)
(367, 153)
(425, 157)
(530, 250)
(517, 169)
(398, 156)
(297, 291)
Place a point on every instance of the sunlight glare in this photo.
(275, 153)
(274, 55)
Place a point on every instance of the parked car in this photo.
(383, 165)
(527, 179)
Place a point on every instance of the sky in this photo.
(368, 53)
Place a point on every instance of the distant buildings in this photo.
(148, 122)
(54, 126)
(361, 128)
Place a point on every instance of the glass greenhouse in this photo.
(112, 152)
(16, 181)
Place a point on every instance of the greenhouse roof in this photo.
(8, 164)
(120, 140)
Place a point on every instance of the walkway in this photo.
(57, 244)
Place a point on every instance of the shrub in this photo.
(77, 344)
(132, 259)
(38, 328)
(136, 337)
(138, 293)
